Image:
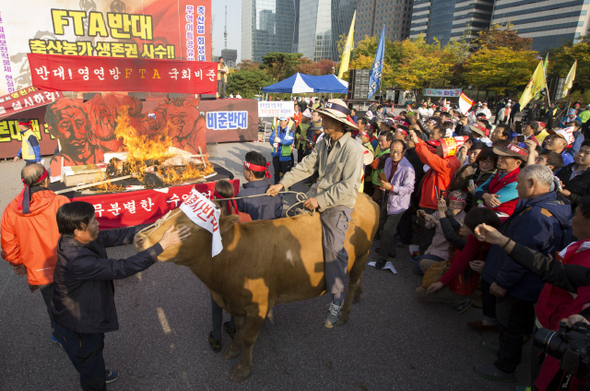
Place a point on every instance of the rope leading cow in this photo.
(265, 263)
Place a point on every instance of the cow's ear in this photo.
(227, 222)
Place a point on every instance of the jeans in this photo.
(334, 226)
(85, 352)
(515, 319)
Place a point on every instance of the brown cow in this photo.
(265, 263)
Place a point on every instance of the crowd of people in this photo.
(440, 174)
(471, 194)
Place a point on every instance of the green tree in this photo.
(562, 58)
(500, 69)
(281, 64)
(247, 82)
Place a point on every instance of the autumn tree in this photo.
(423, 65)
(309, 67)
(500, 69)
(498, 36)
(248, 65)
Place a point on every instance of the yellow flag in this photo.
(536, 84)
(569, 80)
(347, 49)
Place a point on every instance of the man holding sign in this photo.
(338, 160)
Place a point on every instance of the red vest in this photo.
(497, 183)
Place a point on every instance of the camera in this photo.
(570, 345)
(518, 126)
(310, 143)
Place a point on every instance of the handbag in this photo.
(435, 272)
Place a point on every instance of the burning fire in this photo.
(151, 159)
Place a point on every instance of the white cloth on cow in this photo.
(205, 214)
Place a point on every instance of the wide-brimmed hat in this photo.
(336, 108)
(479, 129)
(512, 151)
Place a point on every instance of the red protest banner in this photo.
(129, 208)
(25, 99)
(75, 73)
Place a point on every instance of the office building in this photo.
(450, 19)
(267, 26)
(230, 57)
(322, 24)
(373, 15)
(550, 23)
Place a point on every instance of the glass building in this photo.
(550, 23)
(268, 26)
(450, 19)
(373, 15)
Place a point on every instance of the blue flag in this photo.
(375, 79)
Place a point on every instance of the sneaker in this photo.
(415, 258)
(489, 371)
(479, 326)
(333, 315)
(55, 340)
(230, 330)
(490, 347)
(215, 344)
(462, 306)
(111, 376)
(380, 264)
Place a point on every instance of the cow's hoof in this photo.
(356, 299)
(228, 353)
(239, 374)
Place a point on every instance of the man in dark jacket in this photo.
(539, 222)
(83, 302)
(256, 173)
(575, 177)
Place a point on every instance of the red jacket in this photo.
(440, 175)
(460, 278)
(31, 239)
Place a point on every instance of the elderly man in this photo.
(539, 222)
(338, 161)
(399, 187)
(29, 232)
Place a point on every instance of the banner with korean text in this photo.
(140, 29)
(26, 99)
(74, 73)
(448, 93)
(276, 109)
(144, 206)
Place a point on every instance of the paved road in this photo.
(391, 342)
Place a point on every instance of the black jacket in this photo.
(260, 208)
(579, 186)
(83, 291)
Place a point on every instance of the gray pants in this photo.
(221, 88)
(334, 226)
(387, 243)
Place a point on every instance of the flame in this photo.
(147, 153)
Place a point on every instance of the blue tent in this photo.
(301, 83)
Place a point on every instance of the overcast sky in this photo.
(234, 25)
